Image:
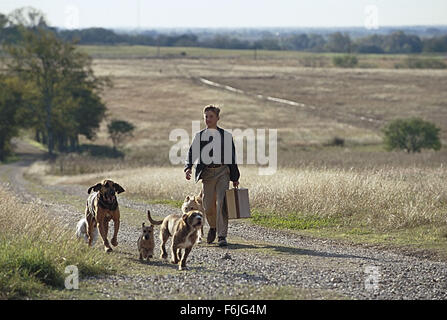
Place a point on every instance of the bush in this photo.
(119, 130)
(411, 135)
(336, 142)
(345, 61)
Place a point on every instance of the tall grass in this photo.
(35, 249)
(385, 198)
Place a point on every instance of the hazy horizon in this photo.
(177, 14)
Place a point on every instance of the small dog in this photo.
(146, 242)
(183, 229)
(81, 231)
(195, 203)
(102, 206)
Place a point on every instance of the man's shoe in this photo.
(222, 242)
(211, 235)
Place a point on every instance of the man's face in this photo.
(210, 118)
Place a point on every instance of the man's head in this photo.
(211, 115)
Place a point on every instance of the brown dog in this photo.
(102, 206)
(195, 203)
(146, 242)
(183, 229)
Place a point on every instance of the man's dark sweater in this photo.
(227, 154)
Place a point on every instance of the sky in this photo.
(235, 13)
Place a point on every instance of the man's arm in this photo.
(234, 169)
(192, 157)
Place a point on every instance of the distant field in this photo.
(307, 59)
(160, 94)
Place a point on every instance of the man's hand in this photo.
(188, 174)
(235, 184)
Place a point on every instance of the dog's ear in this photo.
(118, 188)
(187, 199)
(142, 225)
(96, 187)
(198, 199)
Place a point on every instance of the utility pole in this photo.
(158, 46)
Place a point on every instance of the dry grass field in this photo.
(159, 95)
(359, 186)
(35, 249)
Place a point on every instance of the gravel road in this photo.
(258, 260)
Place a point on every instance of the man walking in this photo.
(214, 149)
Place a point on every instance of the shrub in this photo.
(337, 142)
(119, 130)
(411, 135)
(345, 61)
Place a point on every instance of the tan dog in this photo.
(183, 229)
(195, 203)
(146, 243)
(102, 206)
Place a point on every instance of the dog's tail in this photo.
(81, 231)
(154, 222)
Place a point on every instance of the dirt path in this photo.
(259, 263)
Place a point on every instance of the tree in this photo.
(345, 61)
(411, 135)
(65, 85)
(338, 42)
(3, 21)
(371, 44)
(28, 17)
(10, 103)
(399, 42)
(297, 42)
(435, 44)
(119, 130)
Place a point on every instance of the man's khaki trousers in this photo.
(215, 183)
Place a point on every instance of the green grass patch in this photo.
(31, 266)
(138, 51)
(35, 250)
(11, 159)
(36, 144)
(430, 239)
(172, 203)
(293, 221)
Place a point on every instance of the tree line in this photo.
(396, 42)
